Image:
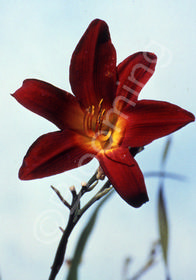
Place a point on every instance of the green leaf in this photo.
(126, 265)
(73, 271)
(166, 151)
(163, 224)
(163, 174)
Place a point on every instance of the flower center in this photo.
(100, 126)
(94, 126)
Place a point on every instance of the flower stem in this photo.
(74, 216)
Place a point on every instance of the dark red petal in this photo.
(133, 73)
(93, 66)
(52, 103)
(54, 153)
(153, 119)
(125, 175)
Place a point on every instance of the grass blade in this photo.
(166, 151)
(163, 227)
(73, 271)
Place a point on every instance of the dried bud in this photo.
(135, 150)
(83, 184)
(72, 189)
(100, 174)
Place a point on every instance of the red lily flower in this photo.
(104, 118)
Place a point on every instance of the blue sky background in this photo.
(37, 39)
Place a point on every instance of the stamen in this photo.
(93, 124)
(98, 119)
(90, 124)
(93, 109)
(100, 104)
(88, 118)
